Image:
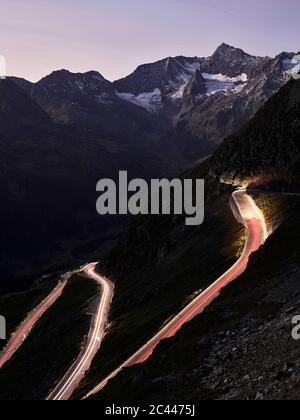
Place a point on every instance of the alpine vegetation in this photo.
(138, 197)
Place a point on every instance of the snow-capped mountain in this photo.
(195, 102)
(151, 85)
(165, 74)
(228, 71)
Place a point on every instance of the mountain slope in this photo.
(268, 144)
(49, 172)
(259, 305)
(16, 106)
(238, 85)
(164, 74)
(241, 347)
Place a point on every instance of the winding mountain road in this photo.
(21, 333)
(246, 212)
(73, 377)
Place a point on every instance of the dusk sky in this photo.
(115, 36)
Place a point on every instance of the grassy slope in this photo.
(40, 361)
(241, 346)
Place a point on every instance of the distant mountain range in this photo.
(229, 71)
(202, 99)
(59, 136)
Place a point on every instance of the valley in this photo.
(69, 130)
(162, 301)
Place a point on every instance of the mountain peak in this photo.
(66, 75)
(230, 61)
(226, 49)
(225, 46)
(67, 83)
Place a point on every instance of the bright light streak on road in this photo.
(75, 374)
(247, 212)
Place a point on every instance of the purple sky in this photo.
(114, 36)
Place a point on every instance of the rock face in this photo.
(195, 87)
(166, 75)
(268, 144)
(231, 61)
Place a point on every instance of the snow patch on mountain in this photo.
(222, 78)
(188, 71)
(192, 67)
(151, 101)
(183, 77)
(292, 66)
(239, 88)
(178, 94)
(220, 83)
